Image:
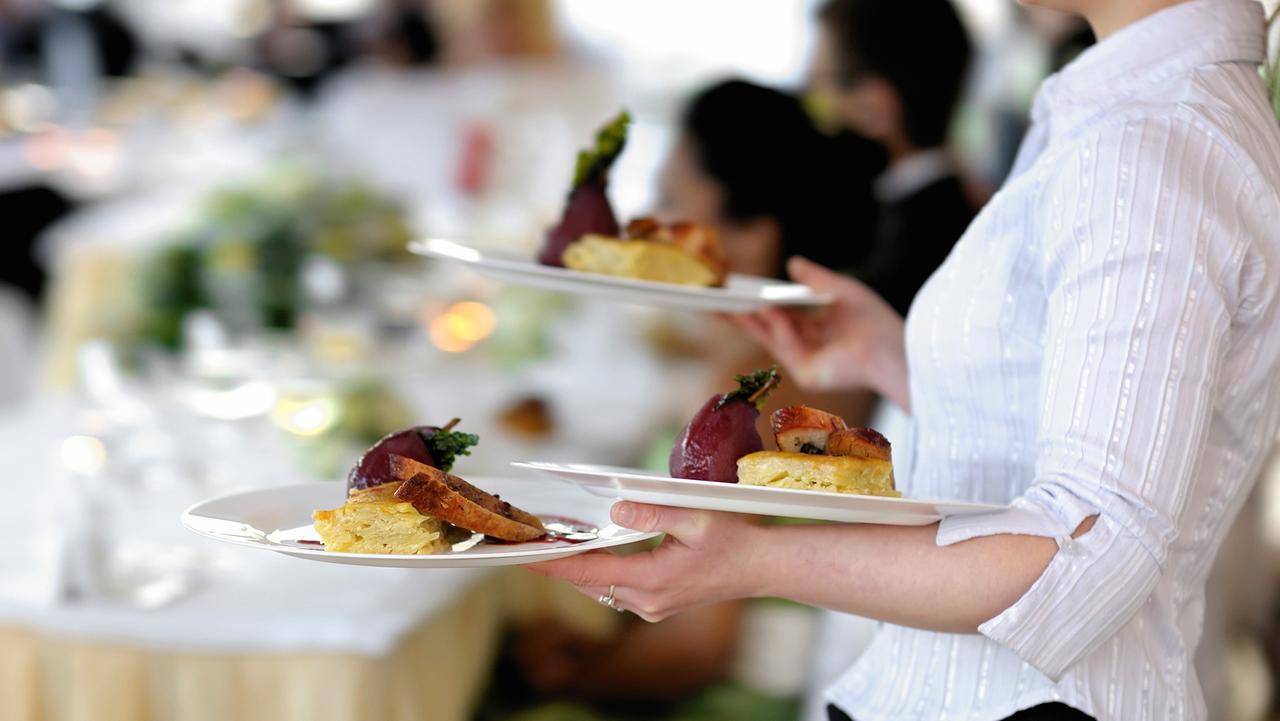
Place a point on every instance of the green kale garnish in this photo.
(594, 164)
(753, 387)
(446, 444)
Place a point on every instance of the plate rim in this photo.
(421, 247)
(456, 560)
(638, 474)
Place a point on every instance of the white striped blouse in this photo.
(1103, 340)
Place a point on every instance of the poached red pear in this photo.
(587, 211)
(435, 446)
(723, 431)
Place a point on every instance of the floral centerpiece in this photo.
(245, 258)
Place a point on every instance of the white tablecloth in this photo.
(238, 600)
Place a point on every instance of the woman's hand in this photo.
(706, 557)
(855, 342)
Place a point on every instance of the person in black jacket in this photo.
(893, 72)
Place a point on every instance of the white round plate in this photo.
(279, 519)
(643, 487)
(741, 294)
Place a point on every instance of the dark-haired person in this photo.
(1100, 351)
(893, 72)
(750, 163)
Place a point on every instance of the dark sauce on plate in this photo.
(575, 526)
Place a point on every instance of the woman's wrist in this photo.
(772, 561)
(887, 367)
(757, 574)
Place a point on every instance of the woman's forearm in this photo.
(891, 573)
(898, 573)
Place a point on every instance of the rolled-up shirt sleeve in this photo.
(1141, 276)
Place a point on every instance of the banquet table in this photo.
(436, 671)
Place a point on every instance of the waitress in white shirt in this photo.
(1101, 350)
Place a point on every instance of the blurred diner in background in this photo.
(206, 288)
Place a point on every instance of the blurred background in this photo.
(204, 288)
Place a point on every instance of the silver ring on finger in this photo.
(609, 600)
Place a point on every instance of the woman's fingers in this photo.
(779, 333)
(811, 348)
(784, 334)
(699, 562)
(597, 569)
(682, 523)
(639, 603)
(751, 324)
